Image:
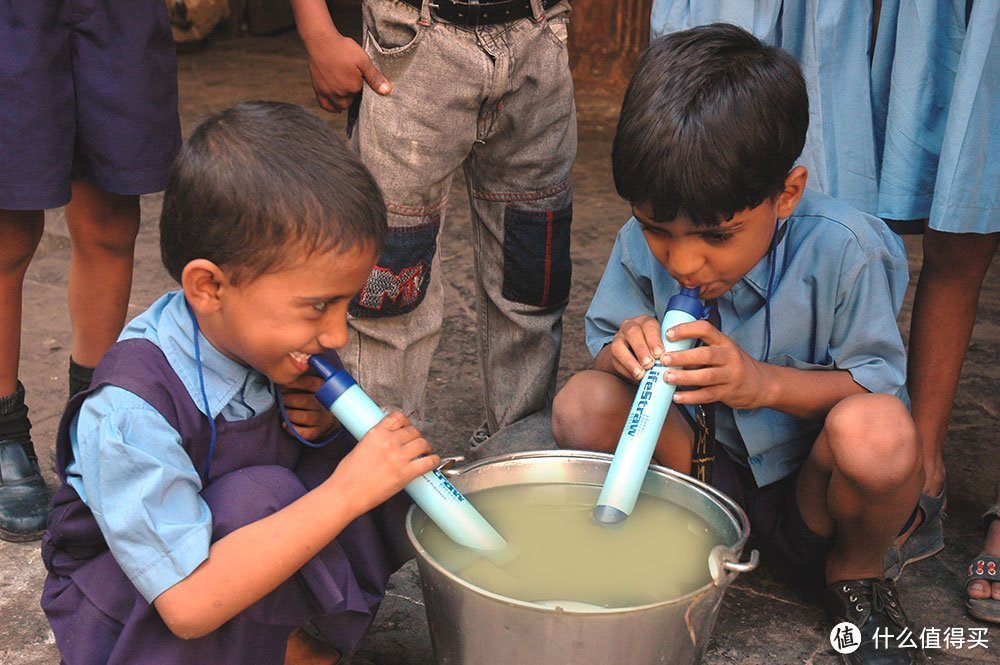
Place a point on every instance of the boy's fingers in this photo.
(702, 330)
(374, 77)
(395, 420)
(426, 464)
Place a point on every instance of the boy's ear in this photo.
(795, 187)
(203, 282)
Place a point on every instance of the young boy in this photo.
(807, 370)
(191, 526)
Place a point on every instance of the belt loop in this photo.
(425, 12)
(537, 10)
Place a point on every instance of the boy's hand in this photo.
(635, 347)
(311, 420)
(722, 371)
(339, 68)
(383, 462)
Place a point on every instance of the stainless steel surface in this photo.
(472, 626)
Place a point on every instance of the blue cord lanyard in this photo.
(291, 428)
(772, 260)
(211, 421)
(204, 394)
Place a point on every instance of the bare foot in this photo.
(983, 589)
(305, 650)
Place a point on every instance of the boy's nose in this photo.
(684, 266)
(334, 334)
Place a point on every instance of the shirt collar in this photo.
(223, 376)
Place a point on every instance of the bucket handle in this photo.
(724, 570)
(743, 567)
(448, 464)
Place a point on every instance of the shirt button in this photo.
(755, 460)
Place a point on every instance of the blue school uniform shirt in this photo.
(129, 465)
(839, 280)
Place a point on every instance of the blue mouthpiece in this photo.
(336, 381)
(323, 367)
(687, 301)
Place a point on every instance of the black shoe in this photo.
(887, 636)
(24, 498)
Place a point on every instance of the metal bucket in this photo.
(472, 626)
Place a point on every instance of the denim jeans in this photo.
(496, 100)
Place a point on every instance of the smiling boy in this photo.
(807, 369)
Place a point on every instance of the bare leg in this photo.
(305, 650)
(861, 482)
(954, 267)
(21, 231)
(102, 228)
(589, 414)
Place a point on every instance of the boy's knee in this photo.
(874, 440)
(582, 410)
(566, 410)
(242, 497)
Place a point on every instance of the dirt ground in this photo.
(762, 620)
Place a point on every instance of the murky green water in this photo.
(559, 553)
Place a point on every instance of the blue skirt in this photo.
(901, 128)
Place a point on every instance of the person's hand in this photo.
(719, 369)
(383, 462)
(635, 347)
(311, 420)
(339, 67)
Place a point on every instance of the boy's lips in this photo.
(300, 359)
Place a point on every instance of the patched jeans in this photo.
(496, 101)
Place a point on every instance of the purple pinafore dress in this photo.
(256, 468)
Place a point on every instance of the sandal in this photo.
(925, 541)
(983, 567)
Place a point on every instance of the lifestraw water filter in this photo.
(645, 419)
(435, 495)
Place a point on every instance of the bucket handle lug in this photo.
(743, 567)
(448, 463)
(722, 567)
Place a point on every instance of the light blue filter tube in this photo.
(435, 495)
(645, 419)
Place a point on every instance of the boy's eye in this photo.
(716, 238)
(320, 306)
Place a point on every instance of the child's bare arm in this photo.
(722, 372)
(252, 561)
(339, 67)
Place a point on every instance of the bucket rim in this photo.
(735, 511)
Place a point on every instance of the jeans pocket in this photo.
(558, 29)
(392, 29)
(536, 245)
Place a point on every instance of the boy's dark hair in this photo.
(259, 178)
(712, 122)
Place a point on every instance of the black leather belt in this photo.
(480, 13)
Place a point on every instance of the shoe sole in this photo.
(920, 557)
(19, 537)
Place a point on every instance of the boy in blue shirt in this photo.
(191, 526)
(807, 369)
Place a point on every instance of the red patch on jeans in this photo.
(403, 289)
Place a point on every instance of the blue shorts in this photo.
(776, 525)
(87, 88)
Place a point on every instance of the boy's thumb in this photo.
(374, 78)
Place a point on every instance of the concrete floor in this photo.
(762, 619)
